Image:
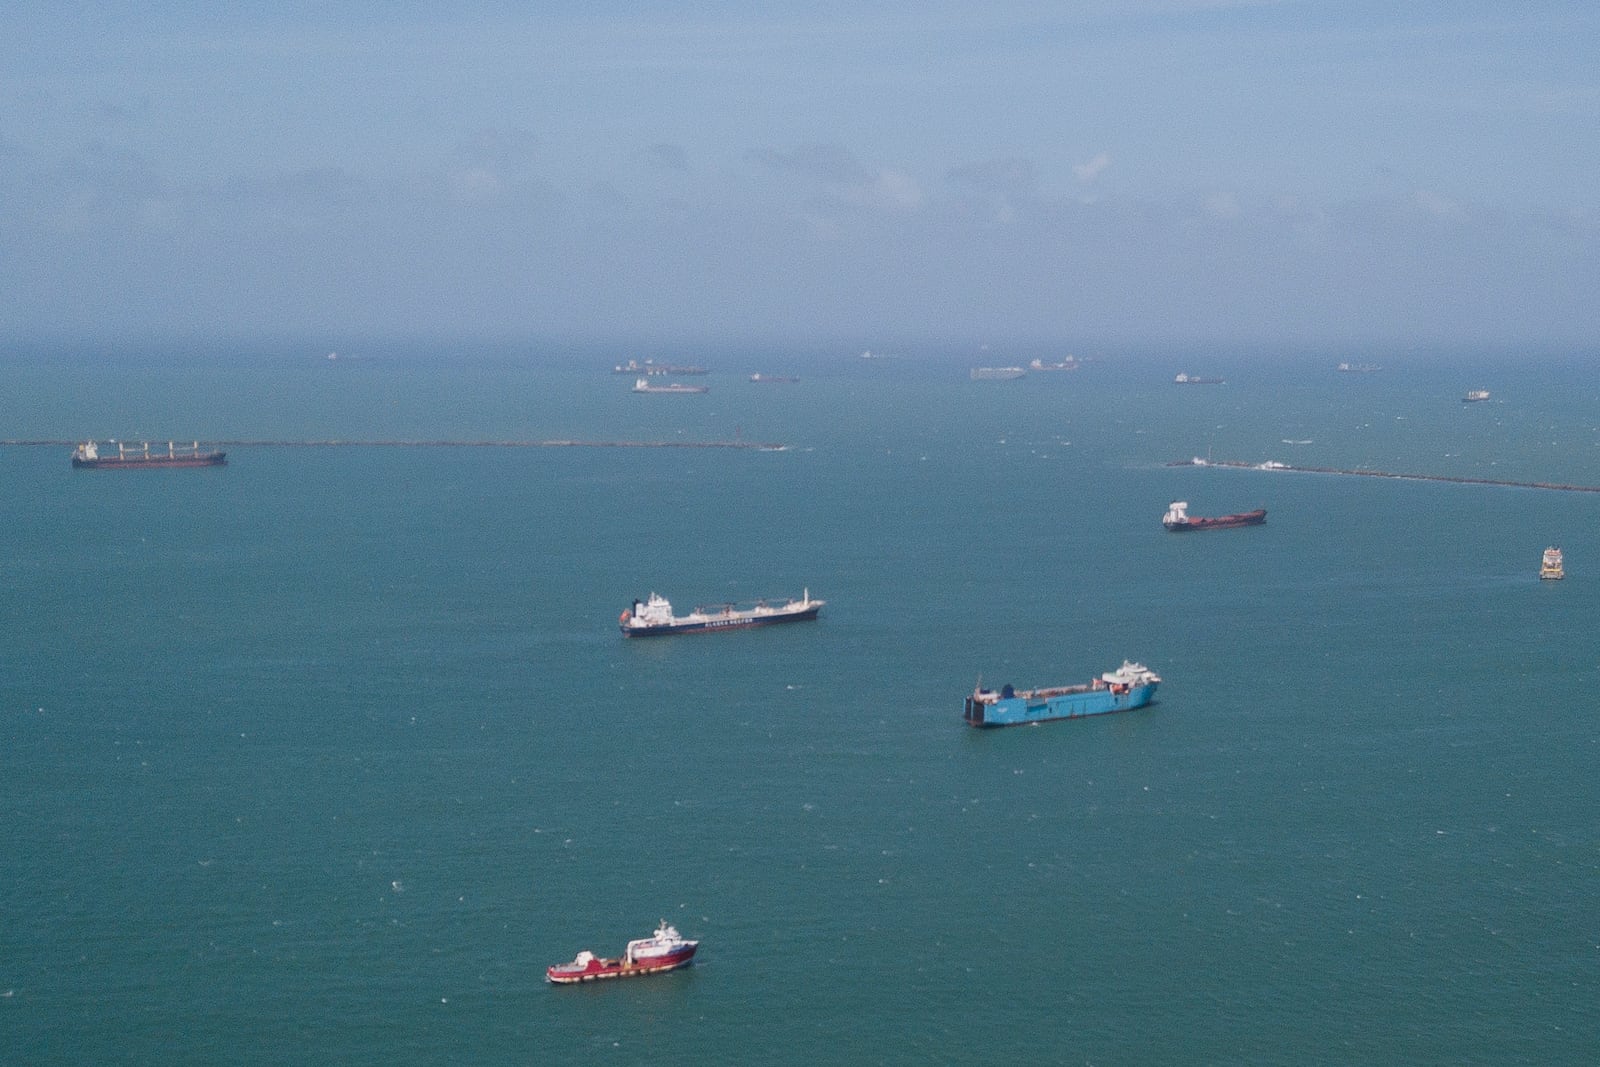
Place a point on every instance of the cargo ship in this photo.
(651, 367)
(759, 377)
(1130, 686)
(996, 374)
(1070, 363)
(1552, 566)
(653, 616)
(665, 950)
(1178, 519)
(1190, 379)
(1476, 396)
(643, 386)
(130, 457)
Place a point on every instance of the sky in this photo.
(1076, 172)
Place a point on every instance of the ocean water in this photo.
(326, 755)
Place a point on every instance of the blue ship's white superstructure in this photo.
(1131, 685)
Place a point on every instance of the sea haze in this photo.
(330, 752)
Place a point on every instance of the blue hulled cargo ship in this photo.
(1132, 685)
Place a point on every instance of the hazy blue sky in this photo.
(1143, 170)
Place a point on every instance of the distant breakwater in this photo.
(1498, 482)
(764, 446)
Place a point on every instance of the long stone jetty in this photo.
(1366, 473)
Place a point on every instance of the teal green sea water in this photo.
(324, 756)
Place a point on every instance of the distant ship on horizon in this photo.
(654, 369)
(140, 457)
(644, 385)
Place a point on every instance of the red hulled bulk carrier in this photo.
(1178, 519)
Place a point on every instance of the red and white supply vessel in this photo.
(665, 950)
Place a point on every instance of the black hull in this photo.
(213, 459)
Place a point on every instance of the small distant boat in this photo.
(996, 374)
(653, 616)
(759, 377)
(665, 950)
(1552, 567)
(1476, 396)
(1190, 379)
(1132, 685)
(643, 385)
(653, 369)
(140, 457)
(1178, 519)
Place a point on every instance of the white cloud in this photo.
(158, 214)
(999, 177)
(897, 190)
(1223, 206)
(817, 162)
(1433, 204)
(840, 177)
(1088, 172)
(667, 156)
(470, 184)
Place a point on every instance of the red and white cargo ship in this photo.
(665, 950)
